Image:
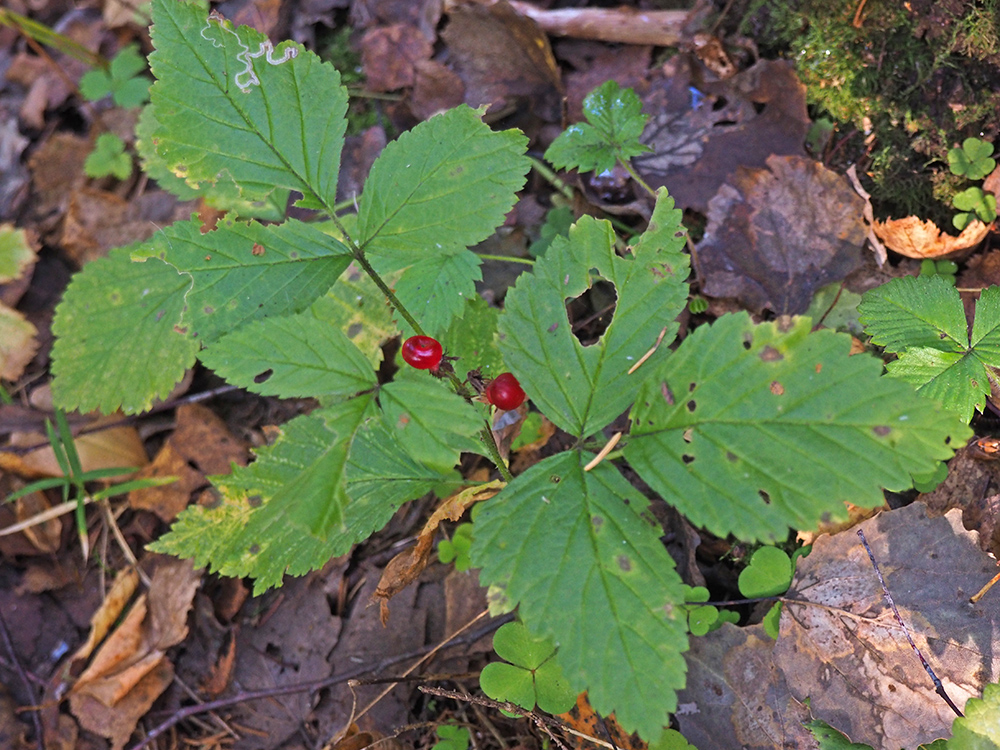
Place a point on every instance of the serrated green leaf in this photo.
(116, 346)
(246, 271)
(829, 738)
(979, 729)
(432, 421)
(769, 573)
(250, 533)
(563, 543)
(298, 356)
(583, 388)
(671, 739)
(923, 319)
(436, 288)
(915, 311)
(442, 186)
(229, 104)
(472, 338)
(356, 306)
(95, 85)
(752, 429)
(615, 123)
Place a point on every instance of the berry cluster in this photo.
(425, 353)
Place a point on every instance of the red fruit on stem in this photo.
(422, 352)
(504, 392)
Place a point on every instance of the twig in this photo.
(35, 719)
(938, 687)
(301, 687)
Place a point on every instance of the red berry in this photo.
(504, 392)
(422, 352)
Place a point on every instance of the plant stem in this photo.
(627, 163)
(551, 177)
(362, 261)
(506, 258)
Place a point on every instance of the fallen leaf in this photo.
(776, 235)
(851, 660)
(701, 132)
(736, 698)
(916, 238)
(389, 54)
(18, 343)
(503, 57)
(46, 536)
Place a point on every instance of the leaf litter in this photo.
(717, 141)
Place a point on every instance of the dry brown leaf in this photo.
(130, 669)
(18, 343)
(115, 447)
(111, 608)
(404, 568)
(47, 535)
(916, 238)
(389, 54)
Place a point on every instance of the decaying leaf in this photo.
(848, 655)
(700, 133)
(130, 670)
(916, 238)
(736, 697)
(404, 568)
(776, 235)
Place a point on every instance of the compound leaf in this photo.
(246, 271)
(444, 185)
(116, 345)
(614, 123)
(922, 319)
(752, 429)
(253, 527)
(229, 104)
(583, 388)
(578, 553)
(973, 159)
(296, 356)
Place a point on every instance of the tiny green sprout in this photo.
(974, 203)
(457, 548)
(532, 677)
(930, 481)
(946, 269)
(451, 738)
(972, 160)
(768, 574)
(671, 739)
(108, 158)
(698, 305)
(121, 80)
(829, 738)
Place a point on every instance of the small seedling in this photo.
(451, 738)
(457, 548)
(121, 80)
(705, 618)
(946, 269)
(974, 204)
(531, 678)
(922, 321)
(108, 158)
(768, 574)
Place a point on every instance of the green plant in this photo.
(946, 269)
(108, 158)
(532, 677)
(973, 160)
(457, 548)
(922, 321)
(727, 427)
(121, 80)
(451, 738)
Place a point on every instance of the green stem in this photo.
(389, 294)
(551, 177)
(627, 163)
(506, 258)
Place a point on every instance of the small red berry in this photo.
(422, 352)
(504, 392)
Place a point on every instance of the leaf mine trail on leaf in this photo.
(265, 49)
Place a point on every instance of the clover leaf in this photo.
(975, 203)
(972, 160)
(121, 80)
(615, 123)
(768, 574)
(457, 548)
(108, 158)
(451, 738)
(532, 676)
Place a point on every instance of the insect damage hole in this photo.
(591, 313)
(264, 376)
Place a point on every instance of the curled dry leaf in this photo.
(916, 238)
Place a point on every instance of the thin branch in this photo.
(35, 718)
